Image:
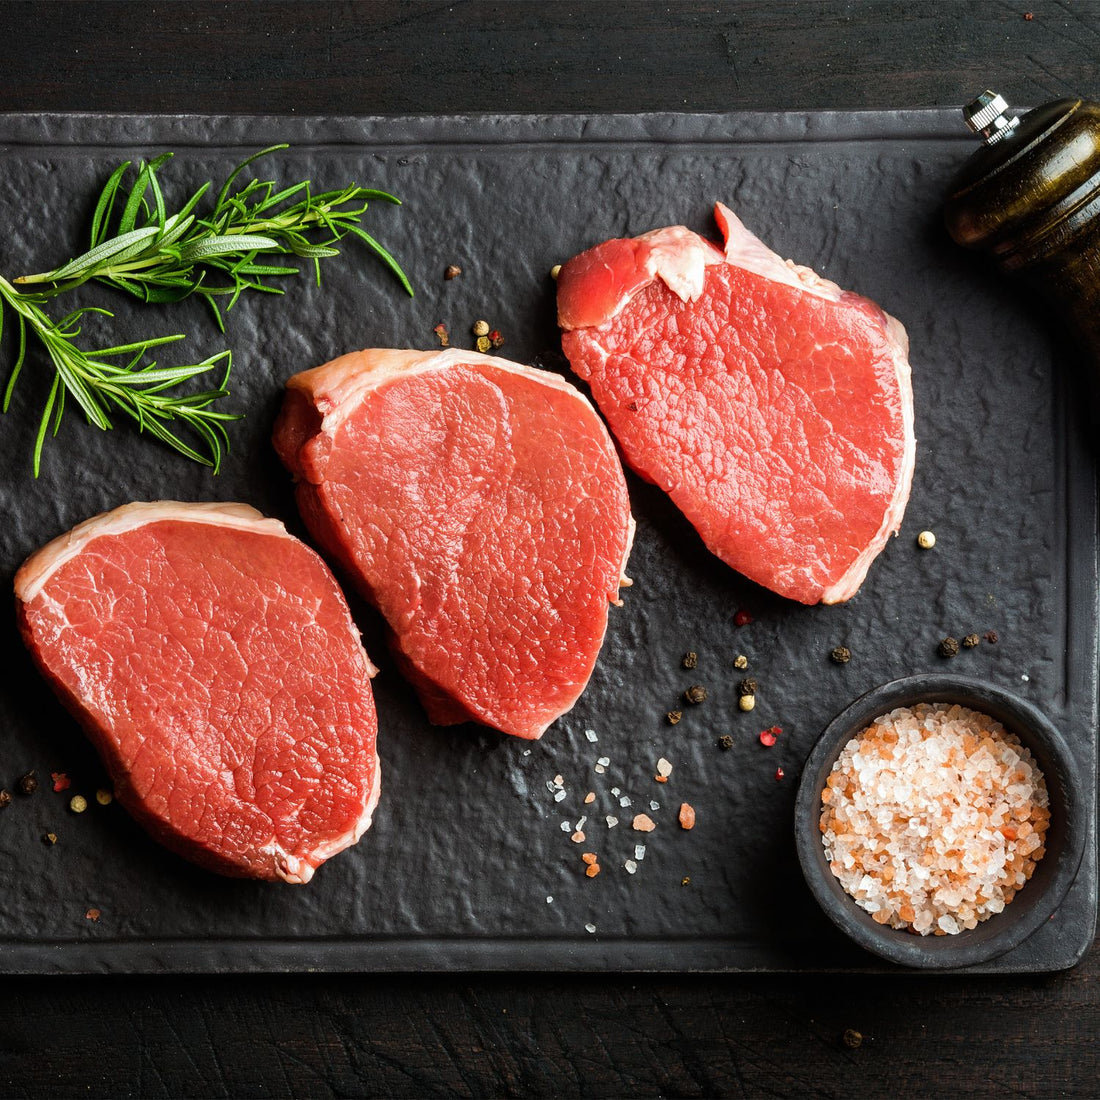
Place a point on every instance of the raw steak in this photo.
(481, 507)
(773, 407)
(212, 659)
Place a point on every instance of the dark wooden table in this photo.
(474, 1035)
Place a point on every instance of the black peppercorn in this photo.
(695, 694)
(991, 637)
(28, 784)
(725, 741)
(841, 655)
(852, 1038)
(747, 686)
(5, 798)
(949, 647)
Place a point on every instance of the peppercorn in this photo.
(674, 716)
(5, 798)
(740, 661)
(747, 702)
(686, 880)
(725, 742)
(695, 694)
(483, 344)
(949, 647)
(747, 686)
(841, 655)
(78, 803)
(104, 797)
(691, 659)
(852, 1038)
(481, 328)
(971, 640)
(555, 271)
(49, 838)
(496, 339)
(28, 784)
(991, 637)
(926, 540)
(444, 338)
(453, 271)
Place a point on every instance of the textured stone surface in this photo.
(467, 843)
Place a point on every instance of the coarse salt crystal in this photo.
(599, 769)
(616, 792)
(664, 767)
(630, 866)
(580, 824)
(526, 752)
(591, 735)
(611, 821)
(559, 796)
(624, 801)
(604, 760)
(566, 827)
(654, 805)
(639, 851)
(549, 899)
(559, 781)
(590, 928)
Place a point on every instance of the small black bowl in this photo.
(1037, 899)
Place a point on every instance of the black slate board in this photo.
(467, 845)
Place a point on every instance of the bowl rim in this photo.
(940, 952)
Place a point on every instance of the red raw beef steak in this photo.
(773, 407)
(481, 507)
(211, 658)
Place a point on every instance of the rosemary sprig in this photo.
(165, 258)
(138, 387)
(162, 257)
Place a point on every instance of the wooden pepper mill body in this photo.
(1032, 200)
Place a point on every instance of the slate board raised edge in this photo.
(256, 131)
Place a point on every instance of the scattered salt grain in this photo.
(526, 752)
(566, 827)
(933, 818)
(1024, 676)
(551, 786)
(655, 805)
(643, 823)
(559, 796)
(599, 769)
(664, 768)
(611, 821)
(549, 899)
(590, 798)
(630, 866)
(590, 928)
(639, 851)
(616, 792)
(624, 802)
(604, 760)
(559, 781)
(591, 735)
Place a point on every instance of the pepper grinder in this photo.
(1030, 196)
